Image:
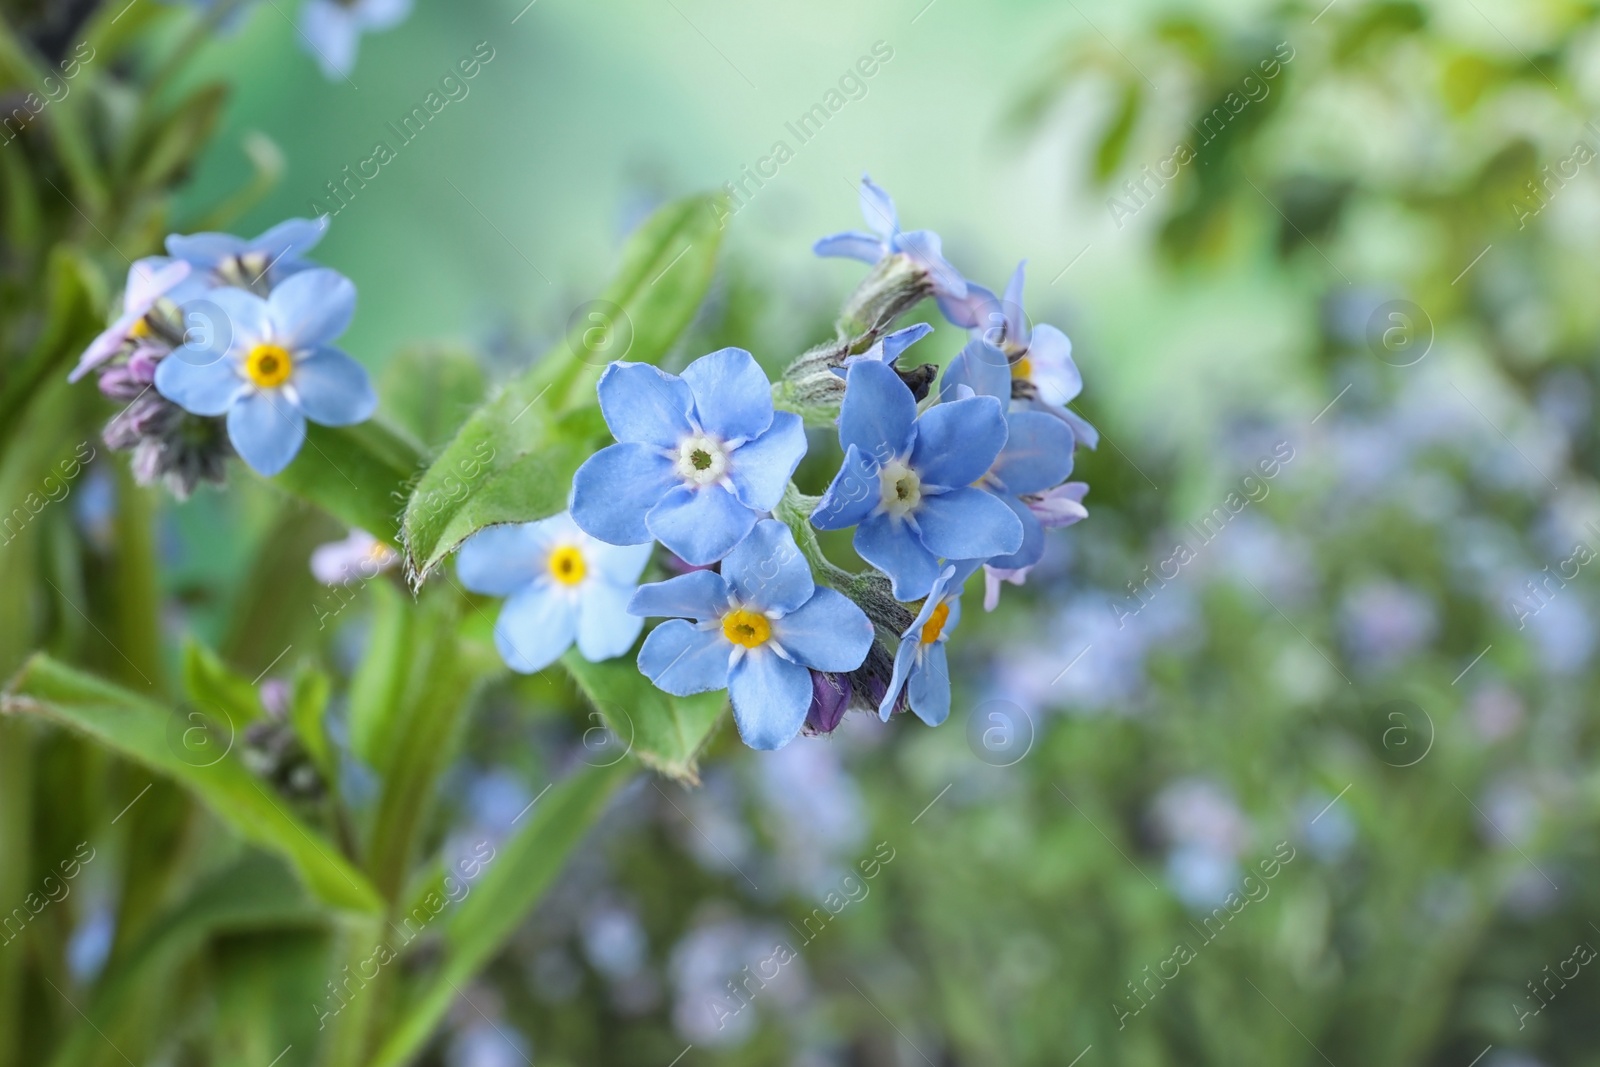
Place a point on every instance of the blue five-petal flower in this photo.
(1038, 451)
(269, 258)
(906, 482)
(760, 627)
(887, 239)
(698, 459)
(560, 585)
(268, 365)
(921, 667)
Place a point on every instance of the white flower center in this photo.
(899, 488)
(702, 460)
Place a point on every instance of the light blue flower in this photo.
(268, 365)
(921, 667)
(889, 349)
(560, 585)
(906, 482)
(760, 628)
(1037, 456)
(1038, 358)
(333, 29)
(922, 247)
(149, 280)
(698, 459)
(260, 263)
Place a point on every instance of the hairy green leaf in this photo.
(360, 474)
(665, 732)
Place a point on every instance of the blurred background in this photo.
(1290, 767)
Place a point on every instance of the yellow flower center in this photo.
(268, 365)
(745, 627)
(567, 565)
(380, 554)
(935, 624)
(1022, 368)
(141, 328)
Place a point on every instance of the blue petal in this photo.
(605, 628)
(535, 626)
(645, 405)
(852, 495)
(290, 238)
(1037, 455)
(682, 659)
(202, 389)
(862, 246)
(828, 633)
(905, 657)
(331, 32)
(958, 441)
(929, 686)
(700, 525)
(767, 571)
(968, 523)
(1016, 320)
(878, 412)
(1086, 435)
(975, 310)
(760, 469)
(332, 388)
(1032, 538)
(499, 560)
(894, 548)
(877, 207)
(266, 431)
(223, 321)
(1054, 372)
(311, 308)
(732, 395)
(698, 595)
(616, 488)
(897, 342)
(770, 698)
(923, 248)
(204, 250)
(930, 603)
(981, 367)
(617, 564)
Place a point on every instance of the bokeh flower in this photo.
(906, 482)
(699, 458)
(269, 367)
(332, 29)
(757, 627)
(560, 585)
(357, 557)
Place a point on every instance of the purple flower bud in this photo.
(830, 694)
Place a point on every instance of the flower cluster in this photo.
(935, 483)
(226, 346)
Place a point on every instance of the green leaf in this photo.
(212, 687)
(431, 389)
(359, 474)
(513, 459)
(509, 888)
(308, 704)
(254, 894)
(179, 136)
(1113, 147)
(665, 732)
(163, 741)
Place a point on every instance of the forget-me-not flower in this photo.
(560, 585)
(922, 247)
(760, 628)
(1037, 455)
(269, 366)
(333, 29)
(906, 482)
(1039, 358)
(359, 557)
(258, 264)
(921, 667)
(698, 459)
(149, 280)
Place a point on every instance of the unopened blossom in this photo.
(149, 280)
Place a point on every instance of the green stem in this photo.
(794, 510)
